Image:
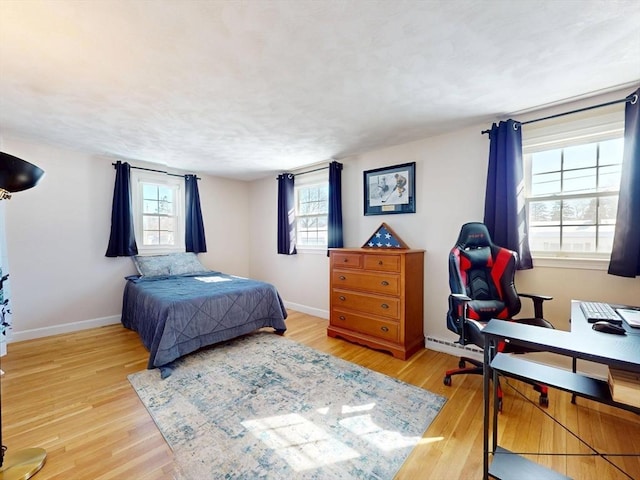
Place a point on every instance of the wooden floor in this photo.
(70, 395)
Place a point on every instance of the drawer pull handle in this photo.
(379, 262)
(384, 283)
(341, 297)
(384, 329)
(342, 317)
(385, 306)
(346, 260)
(342, 277)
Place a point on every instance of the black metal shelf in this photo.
(507, 464)
(581, 385)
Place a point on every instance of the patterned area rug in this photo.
(264, 406)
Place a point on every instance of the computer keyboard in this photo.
(597, 311)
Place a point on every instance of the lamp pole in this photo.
(17, 175)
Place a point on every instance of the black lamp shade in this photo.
(17, 174)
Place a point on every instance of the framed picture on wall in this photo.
(390, 190)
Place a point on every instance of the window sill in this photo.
(312, 250)
(573, 263)
(165, 250)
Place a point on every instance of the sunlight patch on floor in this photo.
(299, 442)
(304, 445)
(385, 440)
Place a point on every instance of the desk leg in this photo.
(486, 372)
(574, 366)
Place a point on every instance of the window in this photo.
(312, 210)
(158, 207)
(572, 181)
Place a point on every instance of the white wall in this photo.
(57, 235)
(450, 184)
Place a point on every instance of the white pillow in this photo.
(183, 263)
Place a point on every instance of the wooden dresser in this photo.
(377, 298)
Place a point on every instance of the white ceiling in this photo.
(246, 88)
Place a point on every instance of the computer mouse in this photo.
(607, 327)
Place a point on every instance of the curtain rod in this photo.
(632, 98)
(157, 171)
(308, 171)
(311, 171)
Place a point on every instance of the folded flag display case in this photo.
(384, 237)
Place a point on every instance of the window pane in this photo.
(579, 239)
(607, 210)
(580, 156)
(544, 213)
(605, 238)
(149, 192)
(166, 238)
(544, 239)
(579, 180)
(611, 151)
(545, 184)
(167, 224)
(150, 238)
(165, 207)
(150, 222)
(150, 206)
(581, 211)
(165, 193)
(609, 177)
(548, 161)
(304, 209)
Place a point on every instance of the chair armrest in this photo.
(461, 297)
(537, 302)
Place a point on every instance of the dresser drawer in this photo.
(346, 260)
(385, 263)
(377, 328)
(378, 305)
(369, 282)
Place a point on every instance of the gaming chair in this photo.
(481, 279)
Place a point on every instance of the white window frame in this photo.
(312, 179)
(142, 177)
(592, 126)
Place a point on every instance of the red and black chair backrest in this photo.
(485, 273)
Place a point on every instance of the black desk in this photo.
(582, 342)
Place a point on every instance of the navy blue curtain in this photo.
(625, 255)
(334, 227)
(504, 206)
(194, 227)
(286, 215)
(122, 240)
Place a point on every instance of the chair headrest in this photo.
(474, 235)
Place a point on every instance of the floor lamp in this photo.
(17, 175)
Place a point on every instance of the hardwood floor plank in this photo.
(70, 395)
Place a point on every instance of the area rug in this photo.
(264, 406)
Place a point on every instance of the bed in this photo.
(177, 306)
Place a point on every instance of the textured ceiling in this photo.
(243, 89)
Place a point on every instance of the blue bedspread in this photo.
(177, 315)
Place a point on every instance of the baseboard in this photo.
(452, 348)
(316, 312)
(19, 336)
(545, 358)
(64, 328)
